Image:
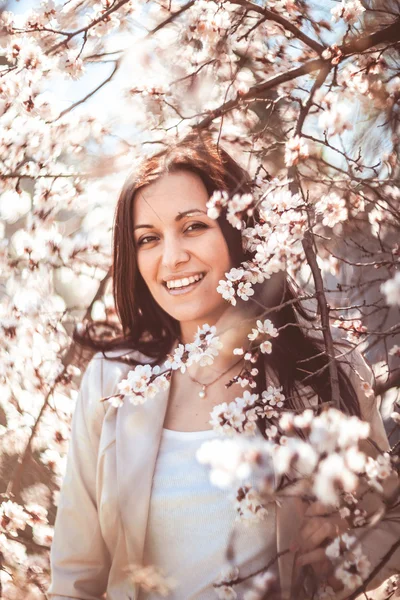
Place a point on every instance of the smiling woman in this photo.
(135, 502)
(183, 254)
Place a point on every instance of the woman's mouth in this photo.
(175, 287)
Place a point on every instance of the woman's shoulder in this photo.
(100, 380)
(106, 369)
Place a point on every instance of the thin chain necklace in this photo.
(204, 386)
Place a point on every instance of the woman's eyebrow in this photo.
(179, 216)
(188, 213)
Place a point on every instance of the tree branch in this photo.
(286, 24)
(172, 17)
(388, 34)
(92, 93)
(72, 34)
(375, 571)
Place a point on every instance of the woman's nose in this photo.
(174, 253)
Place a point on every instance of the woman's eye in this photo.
(195, 226)
(146, 240)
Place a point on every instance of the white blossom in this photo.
(143, 382)
(249, 506)
(226, 289)
(391, 289)
(348, 10)
(152, 579)
(12, 517)
(333, 208)
(296, 149)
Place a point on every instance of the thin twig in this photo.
(286, 24)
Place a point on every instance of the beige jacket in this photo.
(102, 516)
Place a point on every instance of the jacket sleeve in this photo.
(80, 561)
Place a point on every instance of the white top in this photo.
(190, 522)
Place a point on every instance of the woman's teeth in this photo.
(181, 283)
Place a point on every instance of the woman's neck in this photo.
(232, 329)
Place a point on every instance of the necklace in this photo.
(204, 386)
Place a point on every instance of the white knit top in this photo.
(190, 522)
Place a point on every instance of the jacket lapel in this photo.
(138, 435)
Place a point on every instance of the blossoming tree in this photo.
(309, 97)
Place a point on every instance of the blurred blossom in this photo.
(391, 290)
(14, 205)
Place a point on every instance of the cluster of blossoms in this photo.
(296, 149)
(274, 241)
(235, 284)
(333, 208)
(327, 456)
(249, 506)
(260, 584)
(202, 350)
(238, 208)
(393, 586)
(354, 328)
(14, 518)
(354, 567)
(335, 117)
(348, 10)
(264, 330)
(145, 381)
(151, 579)
(327, 453)
(241, 415)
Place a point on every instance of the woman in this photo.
(134, 494)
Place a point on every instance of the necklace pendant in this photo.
(202, 392)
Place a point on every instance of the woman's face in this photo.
(181, 252)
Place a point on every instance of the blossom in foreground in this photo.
(296, 149)
(249, 505)
(232, 460)
(391, 289)
(261, 585)
(265, 330)
(238, 208)
(395, 351)
(328, 455)
(354, 328)
(333, 208)
(205, 347)
(353, 567)
(227, 291)
(12, 518)
(348, 10)
(223, 583)
(152, 579)
(216, 203)
(142, 382)
(238, 416)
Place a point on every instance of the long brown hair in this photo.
(146, 327)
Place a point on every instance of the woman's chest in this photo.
(192, 522)
(187, 410)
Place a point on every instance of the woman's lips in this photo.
(184, 290)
